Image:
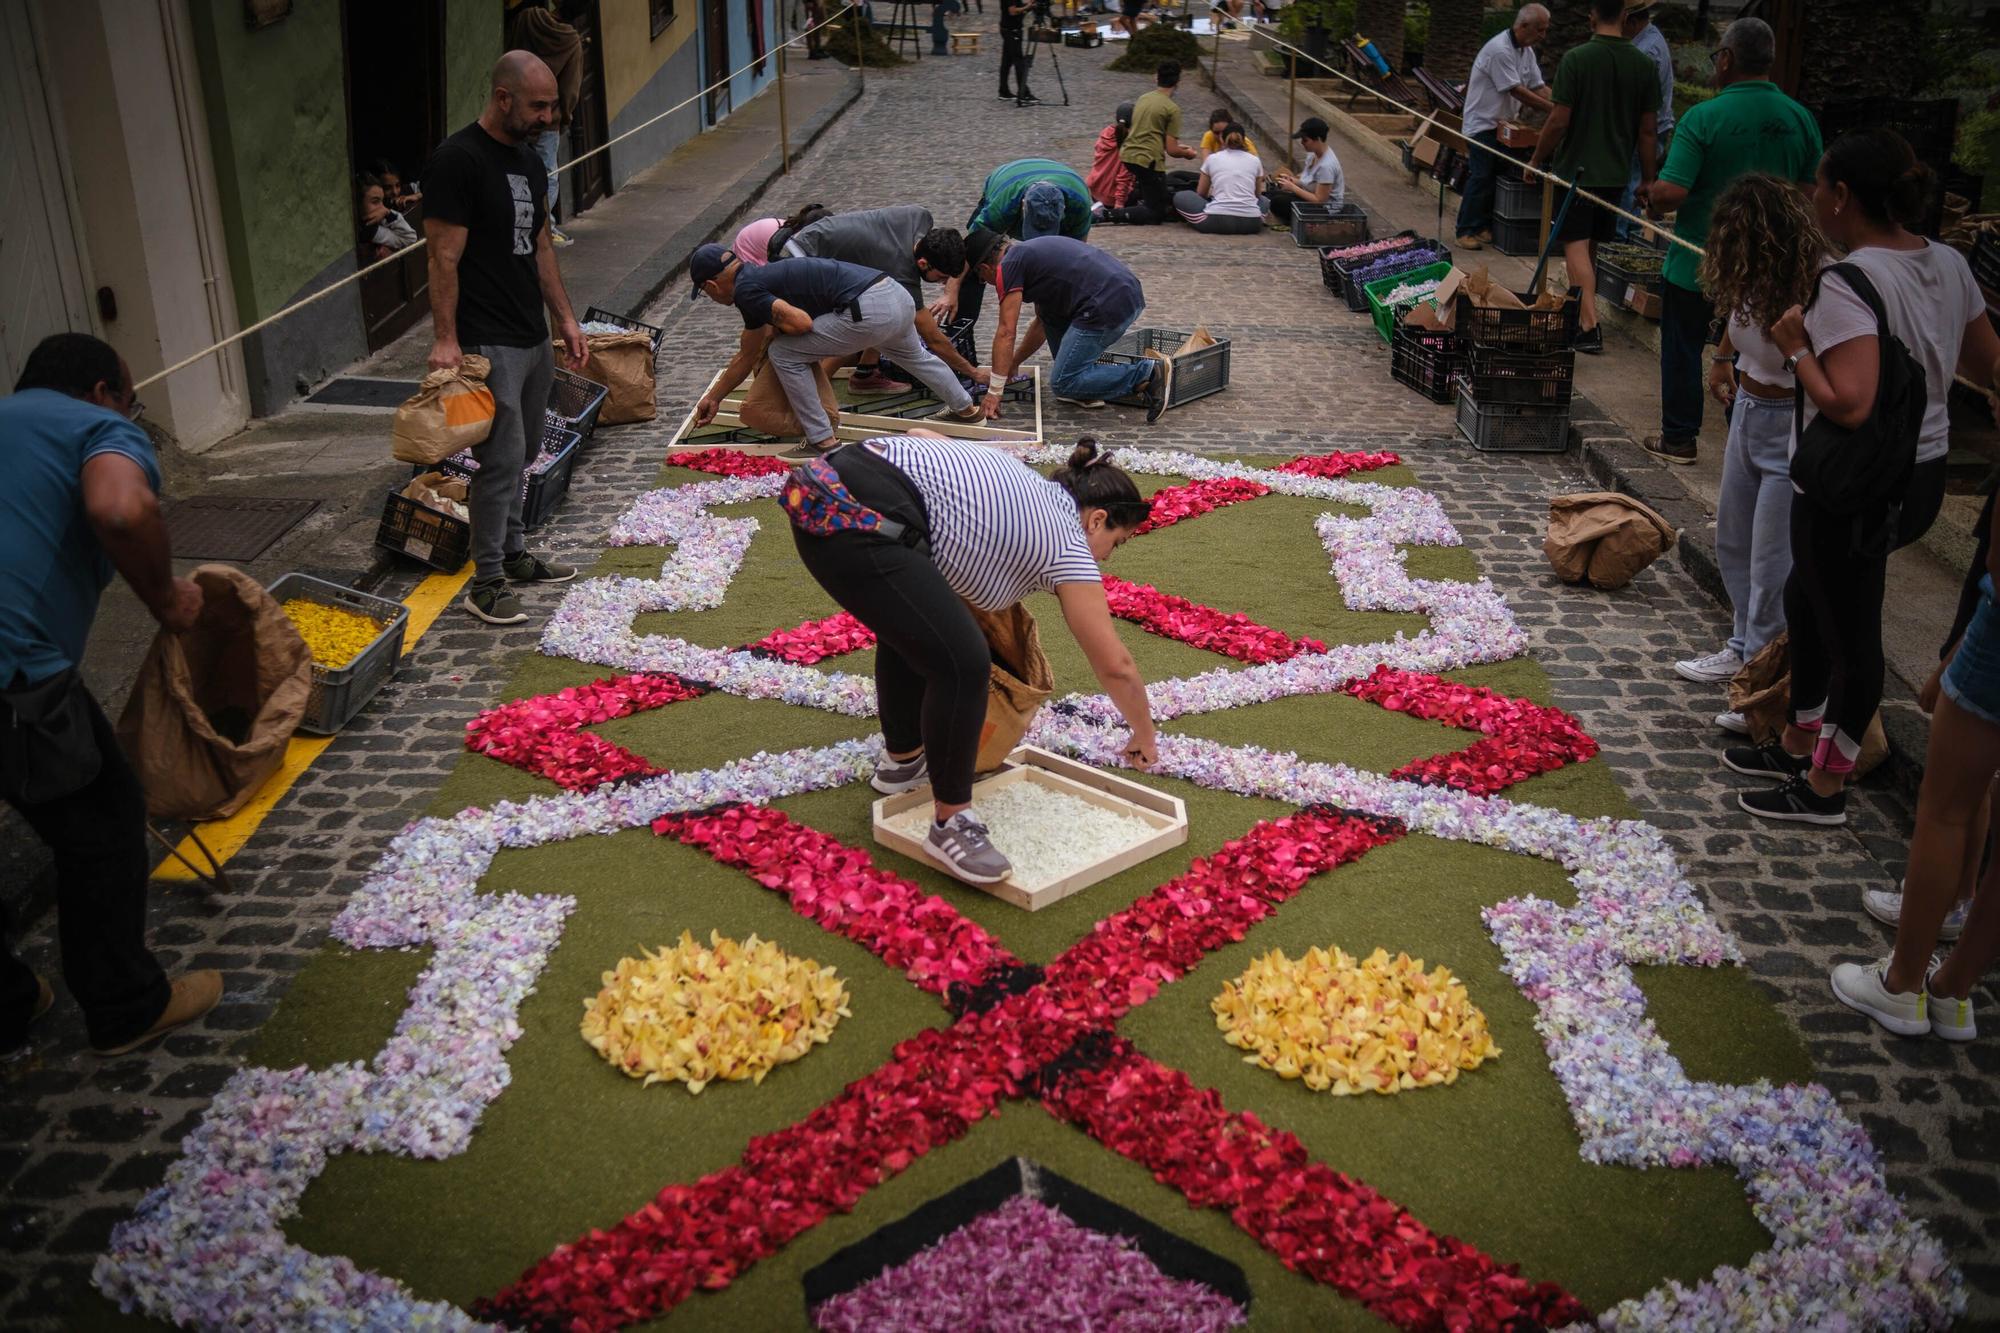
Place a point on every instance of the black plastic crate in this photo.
(1986, 260)
(1622, 271)
(1424, 359)
(1518, 236)
(1539, 379)
(1322, 225)
(1518, 200)
(1511, 428)
(546, 480)
(442, 541)
(599, 315)
(576, 401)
(1519, 330)
(1421, 255)
(1196, 375)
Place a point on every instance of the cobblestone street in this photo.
(82, 1139)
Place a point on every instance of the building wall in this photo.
(746, 85)
(277, 114)
(644, 75)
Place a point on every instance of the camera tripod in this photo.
(1042, 32)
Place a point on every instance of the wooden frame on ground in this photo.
(1113, 791)
(862, 425)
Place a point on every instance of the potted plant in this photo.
(1310, 26)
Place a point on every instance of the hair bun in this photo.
(1085, 453)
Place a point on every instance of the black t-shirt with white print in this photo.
(497, 192)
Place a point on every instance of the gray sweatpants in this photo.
(888, 321)
(520, 381)
(1753, 519)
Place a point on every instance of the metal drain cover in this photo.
(354, 391)
(236, 528)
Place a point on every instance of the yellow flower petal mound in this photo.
(696, 1013)
(1346, 1026)
(334, 636)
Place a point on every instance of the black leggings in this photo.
(932, 664)
(1150, 204)
(1833, 608)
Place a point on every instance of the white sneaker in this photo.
(1859, 986)
(1952, 1019)
(1734, 723)
(1080, 402)
(1887, 908)
(1717, 666)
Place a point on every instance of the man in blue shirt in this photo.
(801, 311)
(80, 501)
(1084, 300)
(1645, 34)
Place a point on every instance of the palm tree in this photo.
(1381, 22)
(1454, 40)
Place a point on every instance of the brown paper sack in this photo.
(1604, 537)
(1197, 340)
(766, 410)
(1021, 683)
(623, 364)
(1483, 291)
(451, 410)
(212, 709)
(1762, 691)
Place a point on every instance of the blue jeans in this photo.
(1475, 207)
(545, 147)
(1079, 374)
(1629, 201)
(1042, 206)
(940, 40)
(1753, 519)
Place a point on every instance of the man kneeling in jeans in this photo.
(804, 310)
(1084, 301)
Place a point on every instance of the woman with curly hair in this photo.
(1764, 251)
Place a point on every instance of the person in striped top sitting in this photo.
(978, 526)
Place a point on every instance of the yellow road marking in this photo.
(226, 837)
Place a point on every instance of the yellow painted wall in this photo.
(632, 55)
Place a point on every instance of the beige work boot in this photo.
(193, 994)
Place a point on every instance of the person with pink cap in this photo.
(753, 241)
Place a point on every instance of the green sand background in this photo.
(573, 1145)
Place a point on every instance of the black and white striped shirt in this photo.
(999, 529)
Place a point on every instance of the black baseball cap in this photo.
(1312, 127)
(706, 262)
(979, 243)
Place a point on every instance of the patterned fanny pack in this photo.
(819, 504)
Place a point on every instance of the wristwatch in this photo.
(1792, 361)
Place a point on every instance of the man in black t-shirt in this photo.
(492, 269)
(800, 311)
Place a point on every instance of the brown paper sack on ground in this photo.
(1197, 340)
(1021, 683)
(1762, 691)
(1603, 537)
(766, 410)
(212, 709)
(623, 364)
(451, 410)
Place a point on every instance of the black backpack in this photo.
(1866, 469)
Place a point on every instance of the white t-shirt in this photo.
(1232, 183)
(1324, 166)
(1756, 355)
(1929, 296)
(1500, 68)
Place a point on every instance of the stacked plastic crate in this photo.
(1517, 213)
(1518, 377)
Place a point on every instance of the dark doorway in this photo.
(715, 40)
(395, 113)
(591, 180)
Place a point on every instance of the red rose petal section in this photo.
(545, 735)
(1191, 499)
(1319, 1222)
(1230, 633)
(1338, 465)
(1523, 738)
(816, 640)
(729, 463)
(841, 888)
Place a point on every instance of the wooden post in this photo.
(1215, 64)
(1548, 212)
(1291, 102)
(784, 120)
(860, 55)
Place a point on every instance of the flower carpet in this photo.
(1369, 763)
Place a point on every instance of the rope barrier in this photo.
(421, 242)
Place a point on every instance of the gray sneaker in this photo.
(962, 847)
(492, 603)
(893, 777)
(526, 568)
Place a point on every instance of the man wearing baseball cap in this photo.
(799, 311)
(1321, 181)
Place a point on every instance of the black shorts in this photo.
(1587, 221)
(1132, 8)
